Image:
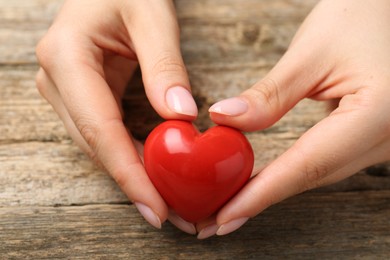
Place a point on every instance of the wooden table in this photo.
(55, 204)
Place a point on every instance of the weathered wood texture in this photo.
(312, 226)
(55, 203)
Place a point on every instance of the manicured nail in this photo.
(182, 224)
(230, 107)
(181, 101)
(208, 231)
(231, 226)
(148, 215)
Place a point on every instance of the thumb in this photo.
(156, 41)
(270, 98)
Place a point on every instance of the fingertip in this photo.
(207, 228)
(231, 226)
(179, 100)
(230, 107)
(133, 180)
(208, 231)
(176, 103)
(181, 224)
(149, 215)
(236, 112)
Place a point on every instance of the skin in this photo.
(341, 52)
(86, 64)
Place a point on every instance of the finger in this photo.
(181, 224)
(157, 44)
(207, 228)
(95, 112)
(269, 99)
(325, 150)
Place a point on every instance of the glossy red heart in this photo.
(197, 173)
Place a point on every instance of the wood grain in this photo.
(25, 116)
(328, 226)
(38, 173)
(54, 203)
(23, 23)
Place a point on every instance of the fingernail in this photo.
(182, 224)
(181, 101)
(148, 215)
(230, 107)
(231, 226)
(208, 231)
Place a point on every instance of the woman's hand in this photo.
(87, 58)
(342, 52)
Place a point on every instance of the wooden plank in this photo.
(23, 23)
(230, 11)
(212, 30)
(38, 173)
(332, 226)
(225, 32)
(25, 116)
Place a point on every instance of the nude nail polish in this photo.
(148, 215)
(231, 226)
(182, 224)
(181, 101)
(230, 107)
(208, 231)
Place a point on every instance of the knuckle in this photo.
(92, 155)
(40, 82)
(90, 131)
(312, 172)
(44, 51)
(58, 44)
(124, 173)
(168, 65)
(120, 178)
(267, 90)
(96, 135)
(314, 175)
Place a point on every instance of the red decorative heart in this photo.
(196, 173)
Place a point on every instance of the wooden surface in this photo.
(55, 204)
